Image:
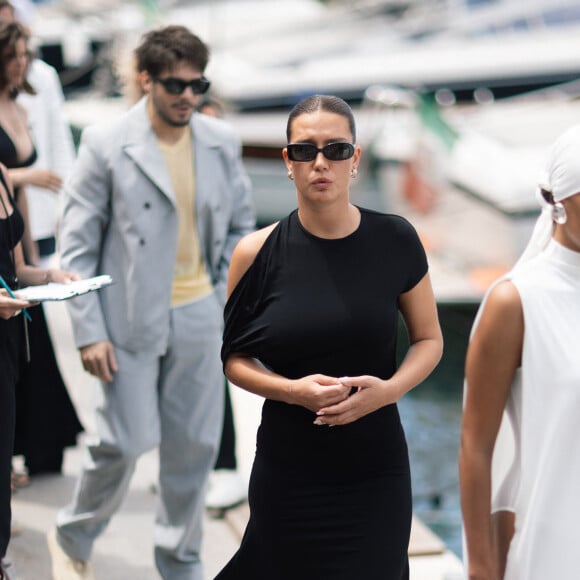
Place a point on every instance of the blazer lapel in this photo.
(142, 146)
(204, 147)
(207, 202)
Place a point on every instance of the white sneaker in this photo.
(63, 566)
(226, 490)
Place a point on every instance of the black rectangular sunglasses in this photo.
(176, 86)
(308, 151)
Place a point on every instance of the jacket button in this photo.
(142, 242)
(147, 205)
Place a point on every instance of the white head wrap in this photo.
(562, 178)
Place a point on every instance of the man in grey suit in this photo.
(158, 199)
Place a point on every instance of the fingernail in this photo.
(318, 422)
(320, 412)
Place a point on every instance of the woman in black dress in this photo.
(46, 421)
(13, 346)
(311, 325)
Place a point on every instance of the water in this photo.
(431, 416)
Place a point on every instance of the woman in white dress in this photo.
(523, 359)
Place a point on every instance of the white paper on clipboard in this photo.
(58, 291)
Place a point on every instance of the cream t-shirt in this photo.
(191, 281)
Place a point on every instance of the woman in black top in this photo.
(12, 336)
(311, 325)
(46, 421)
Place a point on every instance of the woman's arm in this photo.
(419, 312)
(493, 357)
(38, 176)
(312, 392)
(33, 276)
(28, 244)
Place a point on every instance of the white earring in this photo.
(559, 213)
(290, 176)
(354, 172)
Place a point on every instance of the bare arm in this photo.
(38, 176)
(28, 244)
(33, 276)
(493, 356)
(426, 346)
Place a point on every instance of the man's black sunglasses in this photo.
(177, 86)
(308, 151)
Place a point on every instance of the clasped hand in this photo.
(334, 406)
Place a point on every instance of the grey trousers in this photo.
(176, 402)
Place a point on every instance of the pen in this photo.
(9, 290)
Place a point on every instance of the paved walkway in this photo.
(125, 550)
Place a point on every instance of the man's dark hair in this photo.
(163, 49)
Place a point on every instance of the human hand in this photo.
(61, 276)
(317, 391)
(99, 360)
(10, 307)
(44, 178)
(371, 394)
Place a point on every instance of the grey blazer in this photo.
(119, 218)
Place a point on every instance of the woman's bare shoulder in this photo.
(502, 316)
(251, 244)
(245, 253)
(504, 298)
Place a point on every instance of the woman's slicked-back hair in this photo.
(164, 48)
(328, 103)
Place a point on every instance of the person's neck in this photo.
(564, 238)
(333, 222)
(6, 97)
(165, 132)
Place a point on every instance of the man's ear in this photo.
(145, 81)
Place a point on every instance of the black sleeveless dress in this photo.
(11, 230)
(46, 421)
(326, 503)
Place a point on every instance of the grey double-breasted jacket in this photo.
(119, 218)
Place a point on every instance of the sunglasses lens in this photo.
(174, 86)
(301, 152)
(200, 86)
(338, 151)
(177, 86)
(308, 152)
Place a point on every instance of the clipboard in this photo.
(54, 291)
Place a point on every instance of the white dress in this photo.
(543, 483)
